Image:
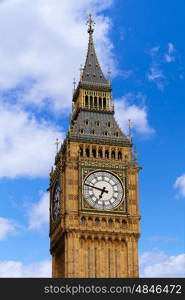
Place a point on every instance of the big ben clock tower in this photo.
(94, 213)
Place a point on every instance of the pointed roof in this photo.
(97, 127)
(92, 73)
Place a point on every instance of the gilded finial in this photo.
(90, 23)
(57, 143)
(129, 127)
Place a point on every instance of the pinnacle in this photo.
(92, 72)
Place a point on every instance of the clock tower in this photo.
(94, 212)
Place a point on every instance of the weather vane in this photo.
(90, 23)
(57, 143)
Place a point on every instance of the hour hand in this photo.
(103, 191)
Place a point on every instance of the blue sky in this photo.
(43, 44)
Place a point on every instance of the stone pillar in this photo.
(130, 257)
(136, 262)
(66, 254)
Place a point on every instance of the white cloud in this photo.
(180, 185)
(26, 145)
(43, 43)
(159, 58)
(159, 264)
(17, 269)
(154, 50)
(126, 74)
(152, 257)
(7, 227)
(152, 264)
(38, 214)
(38, 62)
(156, 74)
(138, 116)
(169, 56)
(165, 239)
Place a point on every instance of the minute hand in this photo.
(102, 190)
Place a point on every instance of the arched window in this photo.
(106, 154)
(104, 102)
(95, 101)
(110, 222)
(83, 220)
(86, 122)
(96, 221)
(113, 155)
(87, 152)
(81, 151)
(100, 153)
(98, 123)
(119, 155)
(91, 101)
(94, 153)
(108, 124)
(100, 102)
(123, 224)
(86, 101)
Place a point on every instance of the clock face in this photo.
(103, 190)
(56, 202)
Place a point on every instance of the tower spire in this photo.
(92, 73)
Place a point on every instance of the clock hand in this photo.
(104, 191)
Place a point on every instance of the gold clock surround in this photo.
(120, 174)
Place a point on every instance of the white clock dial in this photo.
(103, 190)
